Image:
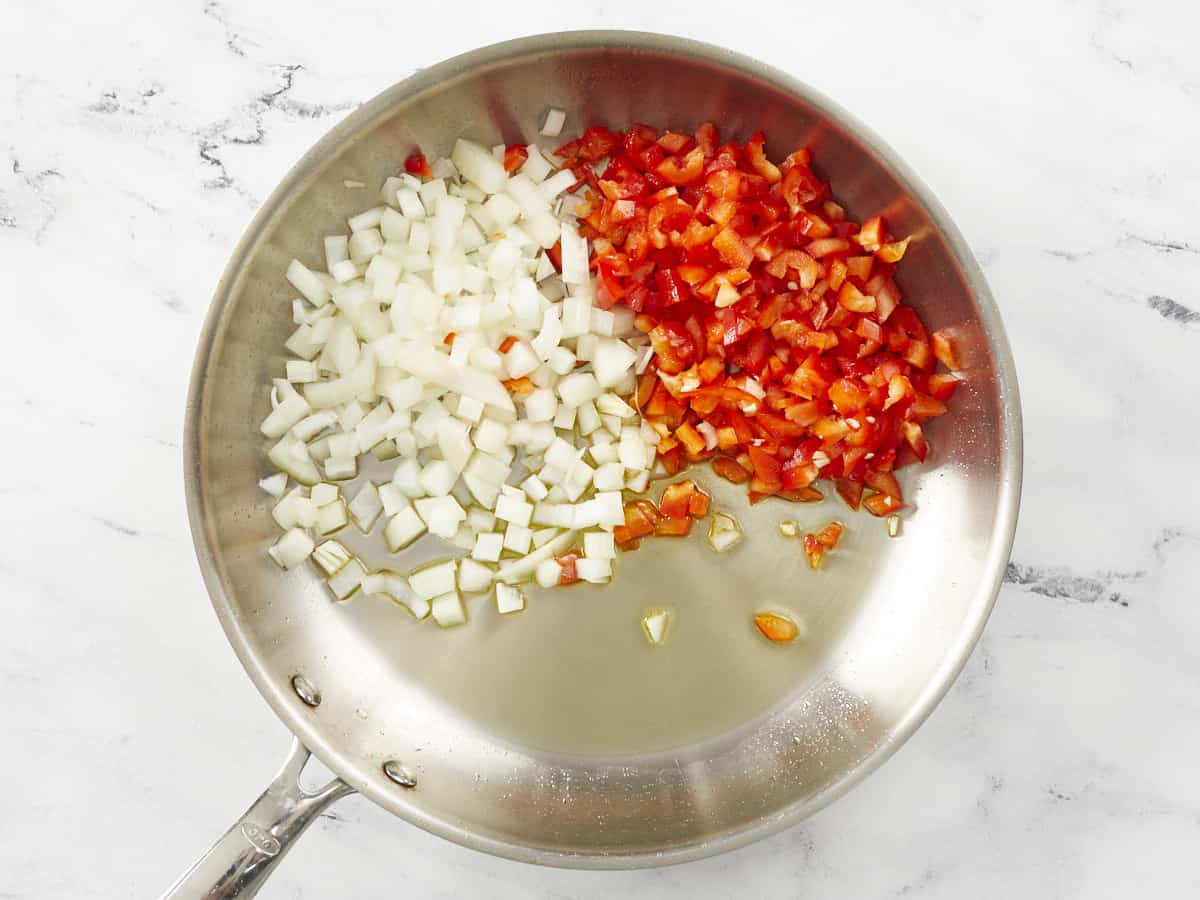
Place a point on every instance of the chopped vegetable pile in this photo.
(441, 334)
(782, 349)
(532, 344)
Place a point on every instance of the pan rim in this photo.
(1003, 526)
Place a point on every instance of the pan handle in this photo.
(239, 863)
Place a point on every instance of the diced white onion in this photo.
(404, 364)
(599, 545)
(655, 623)
(547, 573)
(552, 125)
(366, 507)
(307, 283)
(332, 517)
(403, 528)
(723, 532)
(292, 548)
(274, 484)
(347, 580)
(434, 580)
(520, 569)
(330, 556)
(473, 576)
(324, 493)
(478, 166)
(509, 599)
(442, 514)
(448, 610)
(595, 571)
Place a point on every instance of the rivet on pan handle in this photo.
(239, 863)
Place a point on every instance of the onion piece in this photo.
(488, 547)
(343, 583)
(392, 498)
(359, 380)
(330, 556)
(556, 184)
(292, 548)
(434, 580)
(291, 409)
(332, 517)
(394, 587)
(426, 363)
(612, 405)
(594, 571)
(442, 515)
(599, 545)
(520, 569)
(723, 532)
(307, 283)
(638, 483)
(574, 252)
(366, 507)
(548, 573)
(517, 538)
(544, 535)
(295, 509)
(478, 166)
(403, 528)
(473, 577)
(655, 623)
(290, 456)
(274, 484)
(509, 599)
(324, 493)
(552, 125)
(448, 610)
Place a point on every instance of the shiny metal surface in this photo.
(239, 863)
(557, 736)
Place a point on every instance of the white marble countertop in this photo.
(137, 139)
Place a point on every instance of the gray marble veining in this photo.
(136, 141)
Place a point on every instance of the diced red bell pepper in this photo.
(673, 527)
(885, 483)
(733, 248)
(693, 442)
(942, 386)
(567, 573)
(777, 629)
(515, 156)
(417, 165)
(729, 469)
(675, 498)
(736, 266)
(519, 386)
(766, 468)
(673, 347)
(882, 504)
(802, 495)
(850, 491)
(757, 157)
(870, 235)
(915, 439)
(943, 349)
(893, 252)
(687, 170)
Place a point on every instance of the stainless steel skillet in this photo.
(557, 736)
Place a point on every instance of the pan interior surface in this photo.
(558, 735)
